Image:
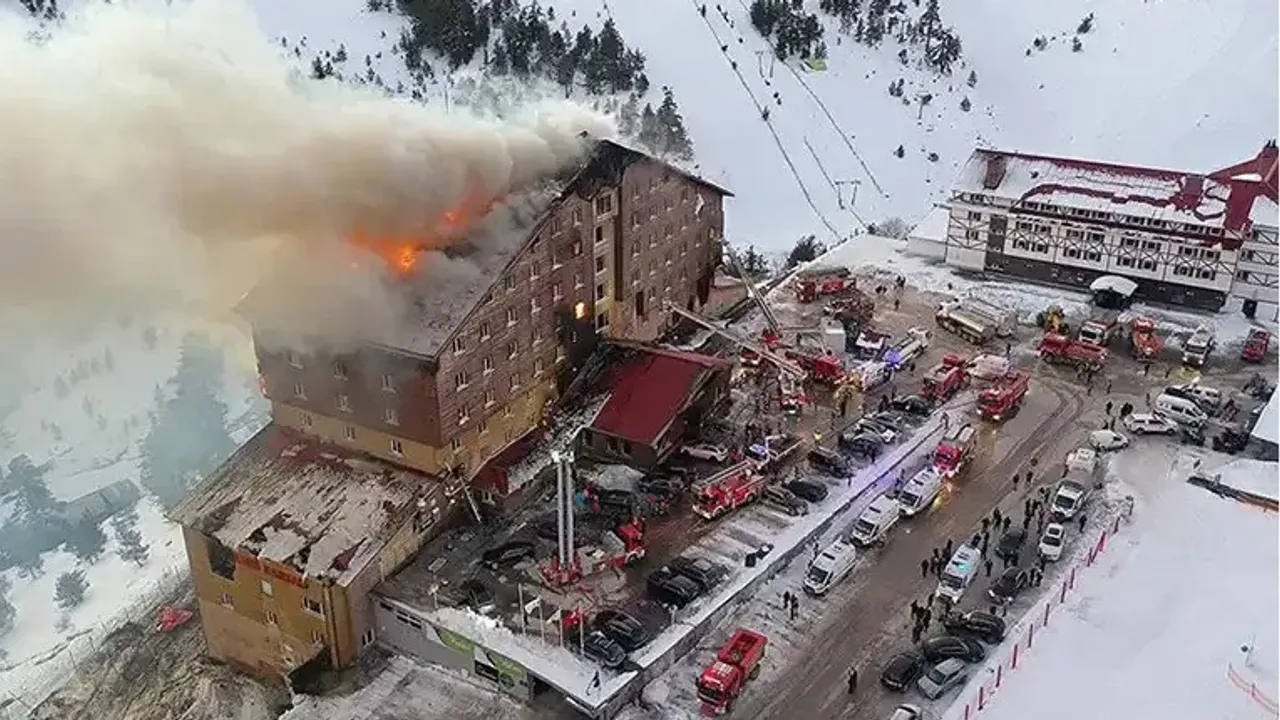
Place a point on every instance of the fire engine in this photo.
(1143, 339)
(954, 452)
(1256, 346)
(945, 379)
(727, 490)
(870, 344)
(1101, 328)
(617, 549)
(1059, 349)
(723, 680)
(810, 289)
(1002, 400)
(822, 368)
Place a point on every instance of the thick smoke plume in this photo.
(168, 156)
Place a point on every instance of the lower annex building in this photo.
(364, 457)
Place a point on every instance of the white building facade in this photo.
(1205, 241)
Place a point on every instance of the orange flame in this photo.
(401, 254)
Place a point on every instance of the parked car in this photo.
(705, 573)
(670, 588)
(1068, 500)
(785, 500)
(1010, 543)
(477, 595)
(507, 554)
(829, 462)
(706, 451)
(902, 670)
(666, 486)
(984, 626)
(907, 712)
(912, 405)
(942, 677)
(807, 490)
(1230, 441)
(952, 646)
(1051, 541)
(1191, 435)
(864, 445)
(1008, 585)
(622, 629)
(1208, 398)
(889, 418)
(1108, 439)
(869, 426)
(602, 649)
(1149, 424)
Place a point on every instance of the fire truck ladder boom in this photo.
(781, 362)
(769, 318)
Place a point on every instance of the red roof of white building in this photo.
(1231, 198)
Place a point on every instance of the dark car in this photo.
(617, 501)
(668, 486)
(477, 595)
(863, 445)
(1230, 441)
(621, 628)
(670, 588)
(829, 461)
(507, 554)
(1191, 434)
(702, 571)
(1008, 585)
(785, 500)
(902, 670)
(984, 626)
(602, 649)
(937, 649)
(896, 420)
(807, 490)
(1010, 543)
(912, 405)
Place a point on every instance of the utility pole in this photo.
(760, 55)
(853, 197)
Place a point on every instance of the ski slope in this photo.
(1154, 628)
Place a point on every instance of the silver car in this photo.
(942, 677)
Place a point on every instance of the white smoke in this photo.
(168, 155)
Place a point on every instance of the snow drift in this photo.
(166, 155)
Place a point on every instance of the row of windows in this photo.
(396, 446)
(1099, 238)
(1125, 219)
(340, 372)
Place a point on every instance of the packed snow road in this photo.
(864, 621)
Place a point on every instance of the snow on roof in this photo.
(287, 498)
(1152, 629)
(560, 438)
(1267, 429)
(1146, 193)
(1257, 477)
(1114, 283)
(612, 477)
(933, 226)
(1265, 211)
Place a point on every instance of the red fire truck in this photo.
(823, 368)
(1101, 328)
(723, 680)
(815, 282)
(1061, 350)
(1143, 339)
(727, 490)
(945, 379)
(1002, 400)
(954, 452)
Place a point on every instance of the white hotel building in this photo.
(1203, 240)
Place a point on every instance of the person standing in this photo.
(853, 680)
(924, 568)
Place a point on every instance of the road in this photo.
(873, 618)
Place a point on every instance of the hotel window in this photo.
(555, 226)
(1147, 265)
(604, 204)
(455, 444)
(975, 215)
(388, 383)
(461, 380)
(600, 263)
(299, 391)
(340, 371)
(534, 271)
(509, 283)
(577, 216)
(1092, 256)
(344, 402)
(511, 317)
(459, 345)
(295, 359)
(1124, 262)
(464, 415)
(556, 293)
(1071, 252)
(487, 364)
(390, 416)
(484, 331)
(973, 235)
(349, 432)
(513, 348)
(538, 367)
(307, 420)
(514, 381)
(490, 398)
(397, 447)
(600, 291)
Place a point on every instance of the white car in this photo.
(1107, 440)
(871, 427)
(907, 712)
(1149, 424)
(1051, 541)
(989, 367)
(706, 451)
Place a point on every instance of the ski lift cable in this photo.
(835, 186)
(835, 125)
(795, 173)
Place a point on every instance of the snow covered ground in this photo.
(86, 409)
(1159, 625)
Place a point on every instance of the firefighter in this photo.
(853, 680)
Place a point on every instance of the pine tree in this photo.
(900, 152)
(130, 548)
(629, 117)
(805, 250)
(31, 496)
(965, 105)
(69, 589)
(651, 136)
(86, 540)
(676, 138)
(7, 611)
(189, 437)
(973, 78)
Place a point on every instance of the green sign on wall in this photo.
(456, 643)
(508, 668)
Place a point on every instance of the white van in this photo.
(1082, 460)
(830, 567)
(1180, 410)
(871, 375)
(1208, 398)
(919, 491)
(873, 525)
(959, 573)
